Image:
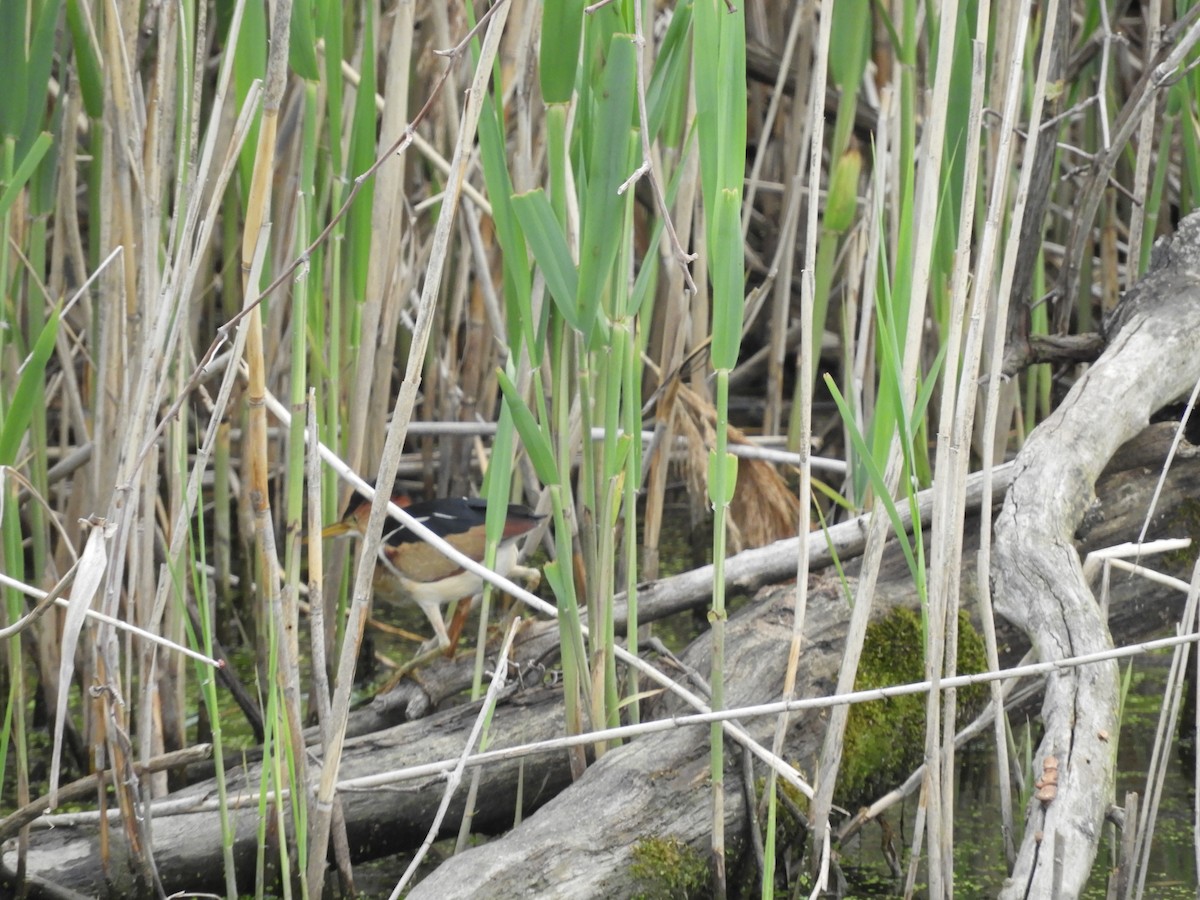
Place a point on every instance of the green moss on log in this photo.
(885, 739)
(667, 867)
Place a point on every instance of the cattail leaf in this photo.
(302, 45)
(87, 60)
(603, 230)
(362, 154)
(250, 66)
(558, 57)
(666, 95)
(722, 477)
(27, 36)
(21, 404)
(555, 578)
(549, 245)
(725, 265)
(534, 439)
(25, 170)
(842, 199)
(849, 42)
(517, 279)
(719, 72)
(873, 472)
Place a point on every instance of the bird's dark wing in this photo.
(460, 522)
(455, 518)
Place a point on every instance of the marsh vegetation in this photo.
(829, 281)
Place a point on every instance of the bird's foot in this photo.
(532, 578)
(395, 631)
(428, 650)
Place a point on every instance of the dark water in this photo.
(979, 850)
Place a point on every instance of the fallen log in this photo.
(582, 840)
(582, 843)
(380, 821)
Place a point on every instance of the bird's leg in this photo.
(531, 577)
(461, 610)
(433, 612)
(430, 648)
(446, 640)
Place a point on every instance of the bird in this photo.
(409, 570)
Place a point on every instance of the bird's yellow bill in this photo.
(338, 528)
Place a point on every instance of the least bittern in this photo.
(411, 571)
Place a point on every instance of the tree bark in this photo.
(1152, 360)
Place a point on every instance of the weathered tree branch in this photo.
(1153, 359)
(1050, 348)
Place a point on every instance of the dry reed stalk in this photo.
(927, 189)
(402, 412)
(385, 284)
(997, 306)
(122, 353)
(941, 817)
